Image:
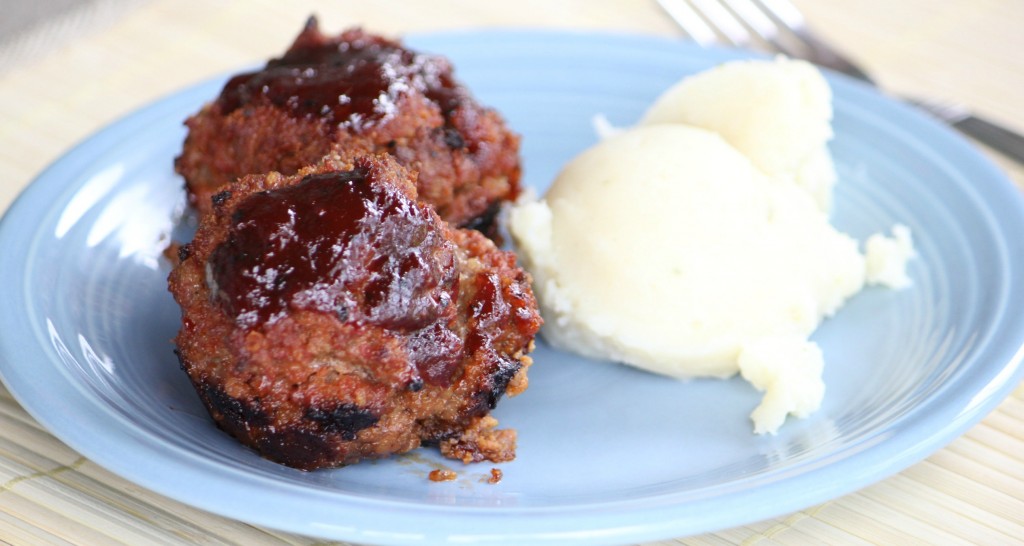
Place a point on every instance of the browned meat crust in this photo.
(323, 339)
(353, 94)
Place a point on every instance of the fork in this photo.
(779, 27)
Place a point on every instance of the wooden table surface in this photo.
(86, 69)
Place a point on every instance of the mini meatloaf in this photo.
(354, 94)
(329, 316)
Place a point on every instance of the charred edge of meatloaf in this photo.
(307, 445)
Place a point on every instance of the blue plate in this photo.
(607, 454)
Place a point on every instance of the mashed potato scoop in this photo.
(698, 242)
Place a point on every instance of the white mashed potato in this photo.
(673, 248)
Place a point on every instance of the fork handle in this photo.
(996, 136)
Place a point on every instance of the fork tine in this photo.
(704, 20)
(691, 23)
(754, 17)
(788, 17)
(786, 14)
(724, 20)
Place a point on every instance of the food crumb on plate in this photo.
(442, 475)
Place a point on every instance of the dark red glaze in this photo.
(353, 83)
(436, 352)
(339, 243)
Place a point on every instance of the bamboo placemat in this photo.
(29, 30)
(969, 492)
